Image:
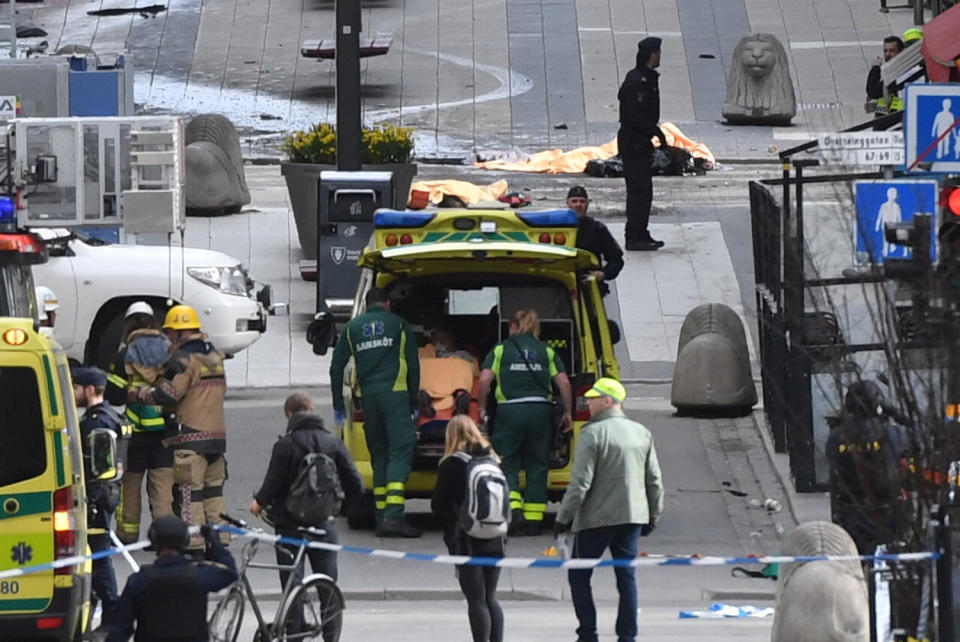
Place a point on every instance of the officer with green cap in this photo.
(524, 369)
(384, 350)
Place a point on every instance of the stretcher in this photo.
(448, 385)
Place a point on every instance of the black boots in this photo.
(397, 527)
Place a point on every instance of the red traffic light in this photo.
(950, 200)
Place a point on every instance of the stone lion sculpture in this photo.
(759, 87)
(821, 601)
(215, 182)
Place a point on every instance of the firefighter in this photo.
(524, 369)
(47, 306)
(139, 362)
(194, 382)
(384, 350)
(864, 452)
(102, 497)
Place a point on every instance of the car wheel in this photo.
(363, 516)
(106, 341)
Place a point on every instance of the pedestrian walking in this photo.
(167, 600)
(102, 497)
(384, 350)
(194, 382)
(525, 370)
(466, 449)
(305, 435)
(593, 236)
(615, 495)
(139, 362)
(639, 98)
(882, 106)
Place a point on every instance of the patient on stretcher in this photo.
(448, 380)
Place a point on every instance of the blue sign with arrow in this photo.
(882, 203)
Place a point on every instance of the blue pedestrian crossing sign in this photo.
(931, 126)
(882, 203)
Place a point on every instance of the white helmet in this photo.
(138, 307)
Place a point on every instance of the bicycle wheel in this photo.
(224, 624)
(314, 611)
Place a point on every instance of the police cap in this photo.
(168, 531)
(89, 377)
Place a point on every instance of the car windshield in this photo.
(475, 311)
(22, 451)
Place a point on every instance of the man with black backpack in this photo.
(309, 481)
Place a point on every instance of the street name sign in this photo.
(882, 203)
(862, 148)
(930, 124)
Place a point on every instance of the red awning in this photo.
(941, 45)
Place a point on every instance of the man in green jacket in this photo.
(615, 494)
(384, 350)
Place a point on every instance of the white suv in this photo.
(95, 281)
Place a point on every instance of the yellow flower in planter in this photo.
(383, 143)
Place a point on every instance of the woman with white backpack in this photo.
(473, 498)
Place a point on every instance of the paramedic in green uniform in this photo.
(524, 367)
(384, 350)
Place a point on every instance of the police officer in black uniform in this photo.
(102, 497)
(864, 452)
(168, 599)
(594, 236)
(639, 98)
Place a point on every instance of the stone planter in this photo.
(303, 185)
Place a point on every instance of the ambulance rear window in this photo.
(22, 451)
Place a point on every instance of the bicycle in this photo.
(310, 608)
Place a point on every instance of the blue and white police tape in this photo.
(503, 562)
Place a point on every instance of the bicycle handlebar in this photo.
(239, 523)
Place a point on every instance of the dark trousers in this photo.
(591, 543)
(639, 180)
(391, 439)
(320, 561)
(479, 586)
(103, 578)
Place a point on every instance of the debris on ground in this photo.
(463, 191)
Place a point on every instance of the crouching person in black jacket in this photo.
(305, 434)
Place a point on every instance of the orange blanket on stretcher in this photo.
(556, 161)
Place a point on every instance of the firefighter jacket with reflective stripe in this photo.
(384, 350)
(139, 363)
(193, 379)
(524, 367)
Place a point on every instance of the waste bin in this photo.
(347, 201)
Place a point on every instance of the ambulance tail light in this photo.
(406, 239)
(64, 527)
(545, 237)
(47, 623)
(549, 218)
(391, 240)
(581, 411)
(559, 238)
(392, 219)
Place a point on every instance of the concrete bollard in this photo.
(712, 372)
(821, 601)
(215, 182)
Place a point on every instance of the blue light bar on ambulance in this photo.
(549, 218)
(385, 219)
(8, 211)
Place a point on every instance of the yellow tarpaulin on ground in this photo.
(466, 192)
(556, 161)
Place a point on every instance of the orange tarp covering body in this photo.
(556, 161)
(466, 192)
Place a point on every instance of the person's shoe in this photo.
(643, 246)
(425, 405)
(397, 527)
(461, 402)
(658, 243)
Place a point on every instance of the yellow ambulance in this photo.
(466, 271)
(43, 514)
